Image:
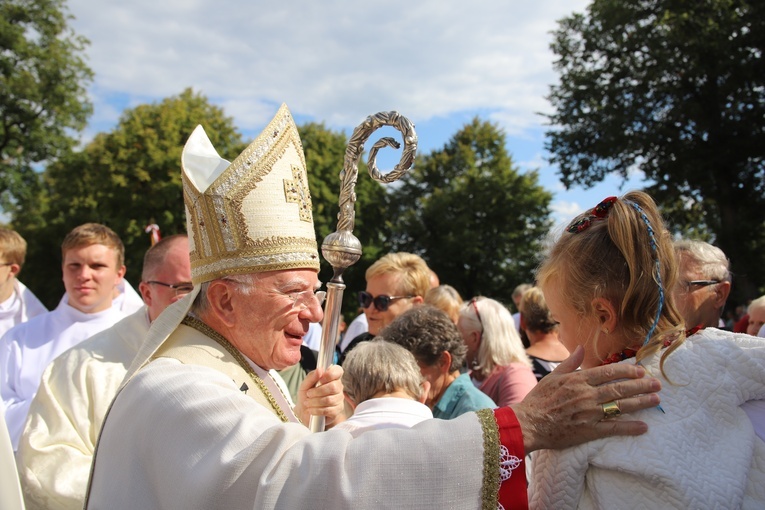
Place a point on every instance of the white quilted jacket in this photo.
(703, 453)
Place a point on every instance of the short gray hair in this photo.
(377, 366)
(427, 332)
(712, 260)
(756, 304)
(245, 284)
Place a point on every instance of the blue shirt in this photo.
(461, 397)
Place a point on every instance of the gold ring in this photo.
(611, 410)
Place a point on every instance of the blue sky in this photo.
(438, 62)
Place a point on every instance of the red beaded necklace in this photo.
(630, 353)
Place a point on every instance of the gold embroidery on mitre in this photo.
(296, 192)
(242, 222)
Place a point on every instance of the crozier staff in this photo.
(205, 424)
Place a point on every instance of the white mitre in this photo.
(250, 216)
(253, 215)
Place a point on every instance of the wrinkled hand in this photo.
(321, 394)
(564, 409)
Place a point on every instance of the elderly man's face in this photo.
(269, 329)
(698, 304)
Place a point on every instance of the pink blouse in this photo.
(509, 384)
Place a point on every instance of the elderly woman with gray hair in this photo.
(497, 359)
(437, 345)
(383, 384)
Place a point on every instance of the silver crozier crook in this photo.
(341, 248)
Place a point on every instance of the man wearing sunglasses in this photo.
(395, 283)
(77, 388)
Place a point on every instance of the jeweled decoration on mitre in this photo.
(252, 215)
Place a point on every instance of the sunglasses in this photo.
(381, 302)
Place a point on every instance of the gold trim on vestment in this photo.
(211, 333)
(491, 454)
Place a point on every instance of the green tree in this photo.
(43, 100)
(126, 179)
(469, 212)
(324, 153)
(677, 90)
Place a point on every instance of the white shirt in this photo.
(385, 413)
(20, 307)
(358, 326)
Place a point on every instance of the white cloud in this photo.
(335, 61)
(564, 212)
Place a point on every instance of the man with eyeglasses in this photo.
(202, 420)
(703, 285)
(395, 283)
(56, 448)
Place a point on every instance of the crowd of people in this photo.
(613, 386)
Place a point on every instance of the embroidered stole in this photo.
(193, 345)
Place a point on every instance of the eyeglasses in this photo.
(698, 283)
(181, 289)
(306, 299)
(4, 264)
(381, 302)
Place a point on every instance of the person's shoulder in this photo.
(477, 398)
(718, 339)
(19, 332)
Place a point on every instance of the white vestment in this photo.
(27, 349)
(702, 452)
(20, 307)
(187, 436)
(358, 326)
(385, 413)
(65, 416)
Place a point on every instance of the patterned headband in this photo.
(600, 212)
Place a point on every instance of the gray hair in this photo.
(377, 366)
(427, 332)
(500, 342)
(711, 259)
(756, 304)
(245, 284)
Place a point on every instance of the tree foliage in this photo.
(126, 179)
(324, 153)
(469, 212)
(42, 93)
(677, 90)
